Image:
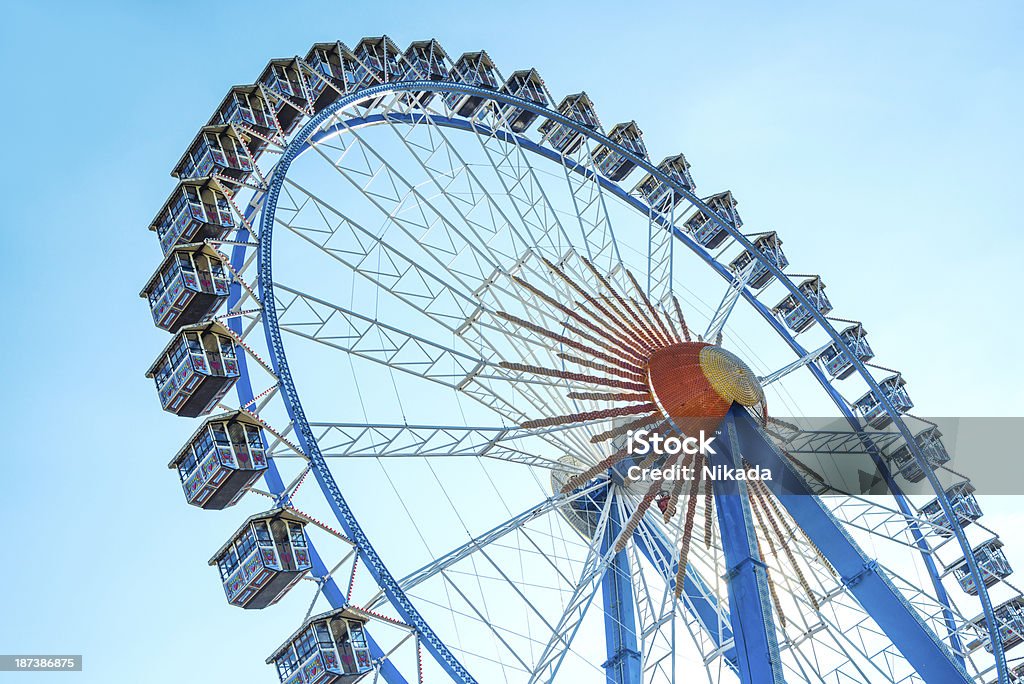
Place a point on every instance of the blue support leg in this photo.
(757, 646)
(623, 664)
(923, 649)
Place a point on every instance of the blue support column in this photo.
(757, 646)
(923, 649)
(623, 664)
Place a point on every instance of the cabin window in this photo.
(297, 536)
(323, 635)
(305, 645)
(287, 663)
(193, 344)
(204, 444)
(227, 348)
(177, 355)
(187, 465)
(229, 562)
(246, 545)
(263, 533)
(255, 441)
(220, 436)
(163, 373)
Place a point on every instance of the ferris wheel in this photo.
(452, 299)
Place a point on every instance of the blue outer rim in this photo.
(325, 478)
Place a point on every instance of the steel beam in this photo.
(757, 645)
(923, 649)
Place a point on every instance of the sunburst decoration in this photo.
(649, 372)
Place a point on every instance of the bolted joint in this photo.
(869, 568)
(735, 570)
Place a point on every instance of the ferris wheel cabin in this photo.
(475, 69)
(264, 559)
(708, 232)
(377, 61)
(282, 80)
(929, 441)
(195, 370)
(660, 196)
(528, 85)
(961, 500)
(578, 107)
(246, 106)
(991, 562)
(425, 60)
(216, 150)
(330, 648)
(221, 460)
(769, 245)
(613, 165)
(197, 210)
(794, 314)
(335, 63)
(1010, 620)
(188, 286)
(836, 363)
(870, 405)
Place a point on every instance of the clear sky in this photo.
(881, 139)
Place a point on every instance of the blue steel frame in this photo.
(928, 654)
(322, 473)
(757, 644)
(623, 665)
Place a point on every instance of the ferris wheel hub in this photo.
(698, 382)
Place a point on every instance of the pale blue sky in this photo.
(881, 139)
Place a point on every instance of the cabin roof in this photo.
(196, 182)
(219, 129)
(726, 195)
(281, 512)
(482, 55)
(389, 44)
(208, 326)
(247, 88)
(530, 74)
(578, 97)
(277, 61)
(1016, 601)
(767, 235)
(192, 248)
(236, 416)
(853, 328)
(667, 160)
(674, 158)
(896, 377)
(624, 126)
(994, 543)
(432, 43)
(952, 490)
(343, 49)
(351, 612)
(812, 280)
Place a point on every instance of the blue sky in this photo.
(883, 141)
